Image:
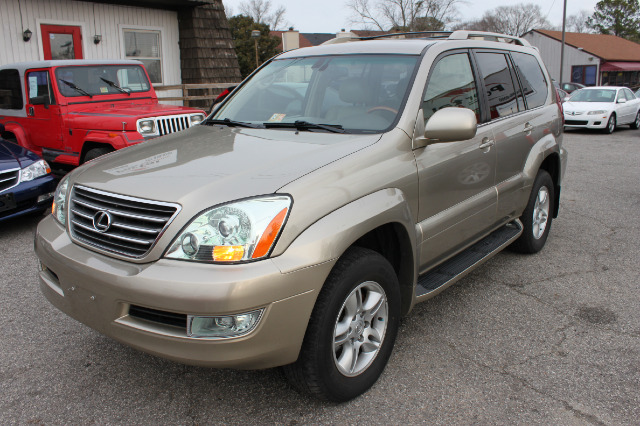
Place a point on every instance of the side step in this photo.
(461, 264)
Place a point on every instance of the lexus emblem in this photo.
(102, 221)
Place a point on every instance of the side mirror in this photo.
(40, 100)
(450, 125)
(622, 101)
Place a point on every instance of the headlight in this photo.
(197, 118)
(59, 207)
(597, 112)
(146, 126)
(35, 170)
(239, 231)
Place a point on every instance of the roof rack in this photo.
(445, 35)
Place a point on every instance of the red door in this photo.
(61, 42)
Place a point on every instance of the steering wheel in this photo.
(382, 108)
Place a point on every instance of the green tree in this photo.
(241, 27)
(618, 17)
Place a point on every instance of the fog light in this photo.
(223, 326)
(45, 197)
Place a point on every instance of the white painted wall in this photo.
(106, 20)
(550, 53)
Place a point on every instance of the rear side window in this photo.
(451, 84)
(10, 90)
(532, 79)
(498, 83)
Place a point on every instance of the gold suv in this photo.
(332, 190)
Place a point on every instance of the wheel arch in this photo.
(89, 145)
(380, 221)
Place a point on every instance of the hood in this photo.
(111, 115)
(208, 165)
(586, 106)
(13, 155)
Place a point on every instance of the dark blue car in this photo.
(26, 183)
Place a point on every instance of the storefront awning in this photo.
(620, 66)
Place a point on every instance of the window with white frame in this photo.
(144, 46)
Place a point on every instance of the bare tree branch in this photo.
(260, 12)
(406, 15)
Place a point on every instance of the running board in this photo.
(447, 273)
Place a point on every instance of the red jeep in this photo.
(73, 111)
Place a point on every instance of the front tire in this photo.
(537, 216)
(611, 124)
(352, 329)
(95, 153)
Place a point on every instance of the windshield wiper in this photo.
(76, 88)
(306, 125)
(232, 123)
(115, 86)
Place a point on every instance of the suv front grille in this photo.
(116, 223)
(9, 179)
(172, 123)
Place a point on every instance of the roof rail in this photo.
(437, 34)
(483, 35)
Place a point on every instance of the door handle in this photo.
(486, 143)
(528, 128)
(30, 111)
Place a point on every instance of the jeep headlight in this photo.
(59, 206)
(196, 119)
(597, 112)
(239, 231)
(147, 127)
(34, 171)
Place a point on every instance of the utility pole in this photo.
(564, 24)
(255, 34)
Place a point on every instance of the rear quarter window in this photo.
(10, 89)
(532, 80)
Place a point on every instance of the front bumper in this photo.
(98, 291)
(584, 121)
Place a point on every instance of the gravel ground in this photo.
(552, 338)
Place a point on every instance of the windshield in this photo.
(358, 93)
(593, 95)
(101, 80)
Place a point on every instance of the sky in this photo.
(330, 16)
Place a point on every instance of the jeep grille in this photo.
(172, 123)
(116, 223)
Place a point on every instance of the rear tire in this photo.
(537, 216)
(95, 153)
(352, 329)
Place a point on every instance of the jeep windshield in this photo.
(101, 80)
(357, 93)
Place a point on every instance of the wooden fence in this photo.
(212, 91)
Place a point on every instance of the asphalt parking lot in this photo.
(552, 338)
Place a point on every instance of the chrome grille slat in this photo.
(120, 212)
(134, 226)
(9, 179)
(130, 205)
(112, 235)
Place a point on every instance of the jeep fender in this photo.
(17, 130)
(329, 237)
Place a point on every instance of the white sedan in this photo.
(602, 107)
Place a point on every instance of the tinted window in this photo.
(451, 84)
(532, 79)
(10, 92)
(621, 96)
(498, 84)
